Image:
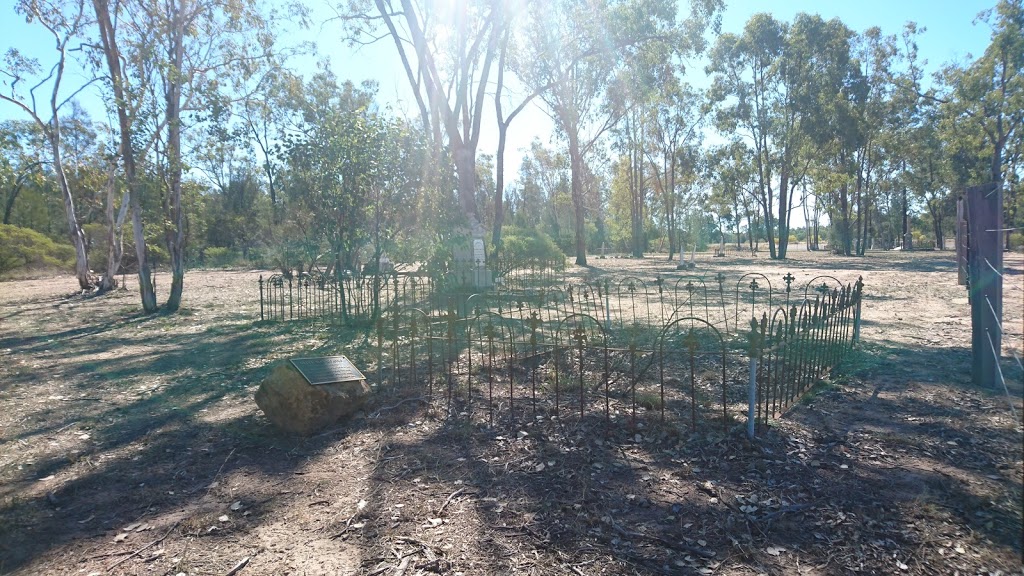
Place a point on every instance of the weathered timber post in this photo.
(985, 280)
(961, 241)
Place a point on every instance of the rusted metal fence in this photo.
(615, 349)
(359, 299)
(625, 351)
(352, 299)
(795, 347)
(509, 368)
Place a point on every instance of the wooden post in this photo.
(961, 241)
(985, 280)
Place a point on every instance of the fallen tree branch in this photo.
(238, 567)
(679, 546)
(144, 548)
(418, 398)
(403, 565)
(785, 510)
(448, 501)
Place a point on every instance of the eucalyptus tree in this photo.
(447, 51)
(824, 85)
(1013, 195)
(940, 159)
(353, 170)
(749, 91)
(642, 83)
(331, 160)
(871, 105)
(263, 116)
(10, 179)
(990, 92)
(674, 134)
(986, 96)
(127, 76)
(23, 78)
(543, 199)
(202, 46)
(728, 169)
(775, 84)
(235, 213)
(168, 62)
(839, 112)
(905, 115)
(578, 50)
(23, 167)
(631, 140)
(734, 189)
(400, 172)
(507, 49)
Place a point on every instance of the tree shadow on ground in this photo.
(23, 344)
(963, 439)
(176, 442)
(147, 429)
(456, 494)
(570, 493)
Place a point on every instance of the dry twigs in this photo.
(144, 548)
(238, 567)
(449, 499)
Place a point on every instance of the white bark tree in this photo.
(65, 22)
(447, 51)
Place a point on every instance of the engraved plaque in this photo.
(327, 370)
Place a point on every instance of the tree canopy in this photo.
(216, 147)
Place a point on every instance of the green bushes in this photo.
(219, 256)
(1016, 240)
(22, 247)
(921, 240)
(525, 248)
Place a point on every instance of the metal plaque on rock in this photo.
(327, 370)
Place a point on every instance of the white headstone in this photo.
(478, 251)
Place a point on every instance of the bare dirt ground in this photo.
(131, 445)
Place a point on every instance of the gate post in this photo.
(985, 280)
(961, 241)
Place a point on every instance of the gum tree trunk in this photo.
(108, 37)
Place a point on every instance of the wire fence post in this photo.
(985, 280)
(961, 241)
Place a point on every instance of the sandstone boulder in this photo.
(291, 403)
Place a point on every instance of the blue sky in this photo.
(949, 35)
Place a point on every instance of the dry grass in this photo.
(112, 420)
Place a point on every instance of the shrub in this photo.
(219, 256)
(23, 247)
(1016, 240)
(921, 240)
(258, 258)
(96, 240)
(525, 248)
